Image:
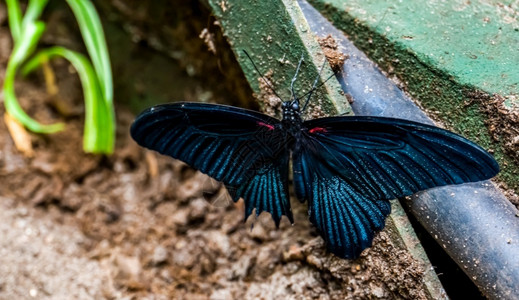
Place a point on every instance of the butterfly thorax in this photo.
(291, 117)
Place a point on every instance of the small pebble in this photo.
(160, 255)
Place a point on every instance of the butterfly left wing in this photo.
(242, 148)
(348, 167)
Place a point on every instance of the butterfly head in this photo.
(291, 111)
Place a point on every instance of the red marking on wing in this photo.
(270, 127)
(317, 130)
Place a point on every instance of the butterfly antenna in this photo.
(314, 86)
(317, 87)
(263, 77)
(292, 96)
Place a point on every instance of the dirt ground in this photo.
(137, 225)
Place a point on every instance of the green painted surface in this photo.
(445, 53)
(475, 42)
(276, 34)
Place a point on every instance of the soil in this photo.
(335, 57)
(138, 225)
(503, 125)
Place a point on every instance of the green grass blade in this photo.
(26, 34)
(99, 134)
(27, 43)
(33, 11)
(93, 35)
(22, 49)
(14, 14)
(97, 82)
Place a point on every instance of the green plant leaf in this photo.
(14, 14)
(33, 11)
(93, 35)
(99, 131)
(22, 49)
(99, 134)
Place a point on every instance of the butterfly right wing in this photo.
(349, 167)
(346, 219)
(242, 148)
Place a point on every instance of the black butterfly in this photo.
(347, 168)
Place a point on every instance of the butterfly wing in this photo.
(348, 167)
(242, 148)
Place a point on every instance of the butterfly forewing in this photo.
(348, 167)
(242, 148)
(386, 158)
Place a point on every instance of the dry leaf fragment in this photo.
(153, 165)
(20, 136)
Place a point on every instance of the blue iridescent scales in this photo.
(346, 168)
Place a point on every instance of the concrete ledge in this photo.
(276, 35)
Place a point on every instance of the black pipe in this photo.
(475, 223)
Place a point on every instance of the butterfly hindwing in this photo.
(267, 190)
(346, 219)
(242, 148)
(348, 167)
